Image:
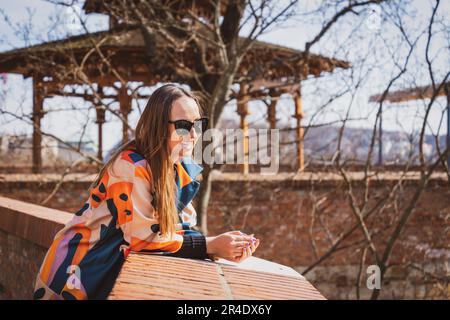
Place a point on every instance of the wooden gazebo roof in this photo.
(200, 7)
(125, 49)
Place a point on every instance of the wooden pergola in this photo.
(411, 94)
(103, 59)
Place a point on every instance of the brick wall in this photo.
(281, 214)
(280, 211)
(20, 261)
(26, 232)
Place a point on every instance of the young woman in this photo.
(140, 201)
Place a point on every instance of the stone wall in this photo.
(297, 219)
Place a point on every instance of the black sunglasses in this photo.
(183, 127)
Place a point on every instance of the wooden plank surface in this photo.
(146, 276)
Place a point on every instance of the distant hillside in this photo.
(321, 143)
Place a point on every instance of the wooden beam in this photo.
(271, 109)
(38, 101)
(299, 130)
(100, 120)
(418, 93)
(242, 110)
(100, 140)
(54, 91)
(125, 109)
(260, 89)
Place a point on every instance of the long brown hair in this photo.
(151, 141)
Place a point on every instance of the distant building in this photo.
(17, 150)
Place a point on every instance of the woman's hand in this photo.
(248, 250)
(235, 246)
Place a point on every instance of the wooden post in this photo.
(38, 101)
(271, 110)
(125, 109)
(100, 112)
(242, 109)
(299, 130)
(100, 120)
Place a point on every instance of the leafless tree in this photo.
(206, 50)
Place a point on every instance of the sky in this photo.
(342, 43)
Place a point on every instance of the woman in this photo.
(140, 201)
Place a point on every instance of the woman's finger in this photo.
(244, 255)
(242, 238)
(236, 258)
(237, 251)
(238, 244)
(252, 246)
(257, 243)
(250, 251)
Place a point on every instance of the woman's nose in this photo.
(193, 133)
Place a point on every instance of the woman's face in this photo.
(184, 108)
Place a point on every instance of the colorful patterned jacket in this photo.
(86, 256)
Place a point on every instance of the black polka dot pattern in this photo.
(82, 210)
(102, 188)
(96, 198)
(68, 296)
(39, 294)
(123, 197)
